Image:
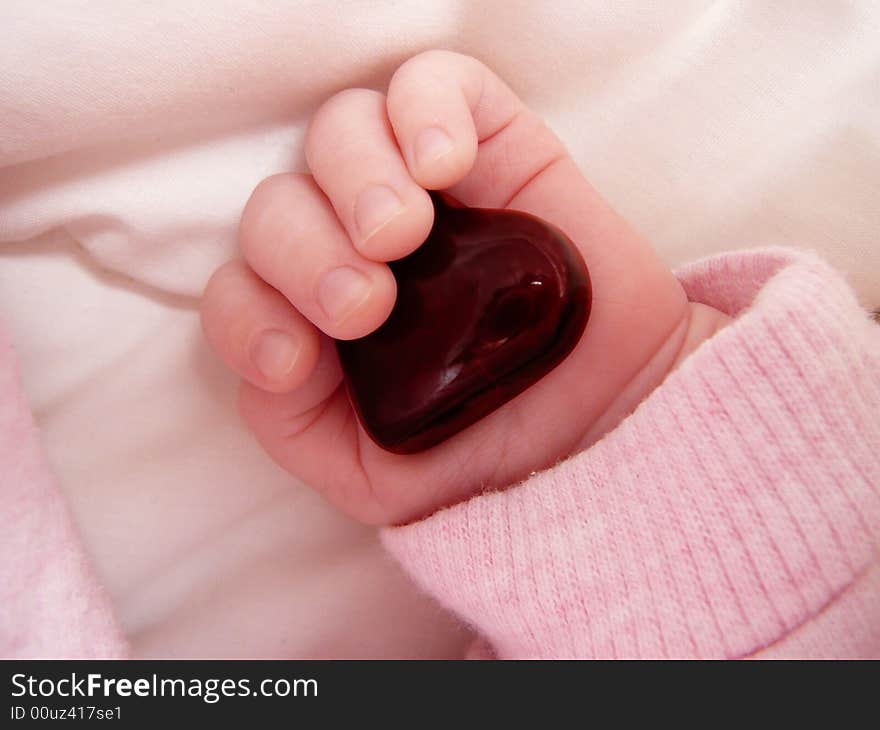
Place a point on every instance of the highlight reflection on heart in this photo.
(489, 304)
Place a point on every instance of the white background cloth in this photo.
(131, 134)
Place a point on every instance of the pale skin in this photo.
(315, 248)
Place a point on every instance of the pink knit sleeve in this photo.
(735, 513)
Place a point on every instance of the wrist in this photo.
(699, 322)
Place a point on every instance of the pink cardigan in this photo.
(735, 513)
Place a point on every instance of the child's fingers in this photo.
(310, 431)
(353, 155)
(501, 155)
(430, 99)
(291, 237)
(256, 331)
(494, 144)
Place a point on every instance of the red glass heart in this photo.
(489, 304)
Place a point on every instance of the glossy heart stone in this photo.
(490, 303)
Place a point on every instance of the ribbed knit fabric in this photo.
(737, 510)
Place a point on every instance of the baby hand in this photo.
(316, 247)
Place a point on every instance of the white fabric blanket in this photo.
(131, 134)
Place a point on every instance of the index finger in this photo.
(501, 154)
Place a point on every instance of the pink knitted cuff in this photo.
(735, 504)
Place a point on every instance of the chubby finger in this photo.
(429, 105)
(256, 331)
(292, 239)
(494, 144)
(353, 155)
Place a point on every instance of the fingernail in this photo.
(375, 206)
(342, 291)
(274, 353)
(431, 144)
